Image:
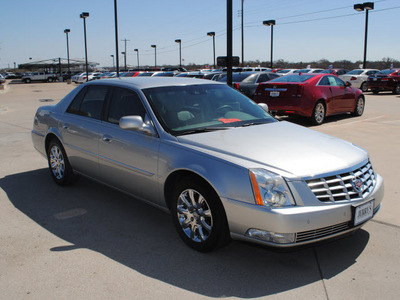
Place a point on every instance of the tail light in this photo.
(353, 78)
(300, 89)
(385, 79)
(236, 86)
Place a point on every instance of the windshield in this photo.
(292, 78)
(355, 72)
(204, 107)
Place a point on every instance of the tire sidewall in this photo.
(356, 112)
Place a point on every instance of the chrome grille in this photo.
(342, 187)
(321, 232)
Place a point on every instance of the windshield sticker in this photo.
(229, 120)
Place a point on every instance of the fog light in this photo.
(277, 238)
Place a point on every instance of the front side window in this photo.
(124, 103)
(89, 102)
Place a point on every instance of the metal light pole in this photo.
(271, 23)
(124, 54)
(212, 33)
(180, 51)
(116, 37)
(137, 50)
(242, 36)
(360, 7)
(229, 42)
(112, 55)
(125, 40)
(83, 16)
(155, 55)
(66, 31)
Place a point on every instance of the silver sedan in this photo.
(219, 163)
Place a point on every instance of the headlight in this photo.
(270, 189)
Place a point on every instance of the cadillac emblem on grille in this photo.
(357, 184)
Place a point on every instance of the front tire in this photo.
(50, 79)
(59, 166)
(198, 215)
(375, 92)
(359, 109)
(318, 115)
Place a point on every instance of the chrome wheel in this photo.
(57, 162)
(360, 106)
(318, 113)
(194, 215)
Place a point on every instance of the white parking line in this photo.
(360, 121)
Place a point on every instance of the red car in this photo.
(385, 80)
(311, 95)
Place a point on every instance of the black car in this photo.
(249, 85)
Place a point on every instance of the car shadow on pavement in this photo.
(92, 216)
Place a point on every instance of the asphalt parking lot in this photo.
(88, 241)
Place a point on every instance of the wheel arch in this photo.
(179, 175)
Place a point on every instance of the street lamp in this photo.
(360, 7)
(271, 23)
(180, 51)
(212, 33)
(112, 55)
(155, 55)
(137, 50)
(83, 16)
(66, 31)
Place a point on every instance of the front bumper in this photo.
(307, 223)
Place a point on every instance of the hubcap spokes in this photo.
(360, 106)
(194, 215)
(57, 162)
(319, 113)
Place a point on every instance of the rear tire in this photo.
(364, 87)
(59, 166)
(28, 80)
(396, 89)
(318, 114)
(198, 215)
(50, 79)
(359, 109)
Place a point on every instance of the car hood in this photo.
(288, 149)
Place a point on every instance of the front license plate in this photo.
(374, 79)
(363, 212)
(274, 94)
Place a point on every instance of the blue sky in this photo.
(305, 30)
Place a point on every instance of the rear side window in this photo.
(89, 102)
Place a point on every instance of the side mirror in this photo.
(347, 84)
(135, 123)
(264, 106)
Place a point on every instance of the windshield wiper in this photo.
(203, 129)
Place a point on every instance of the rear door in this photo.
(80, 127)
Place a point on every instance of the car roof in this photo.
(150, 82)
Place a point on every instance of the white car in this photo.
(82, 77)
(2, 79)
(285, 71)
(309, 71)
(358, 77)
